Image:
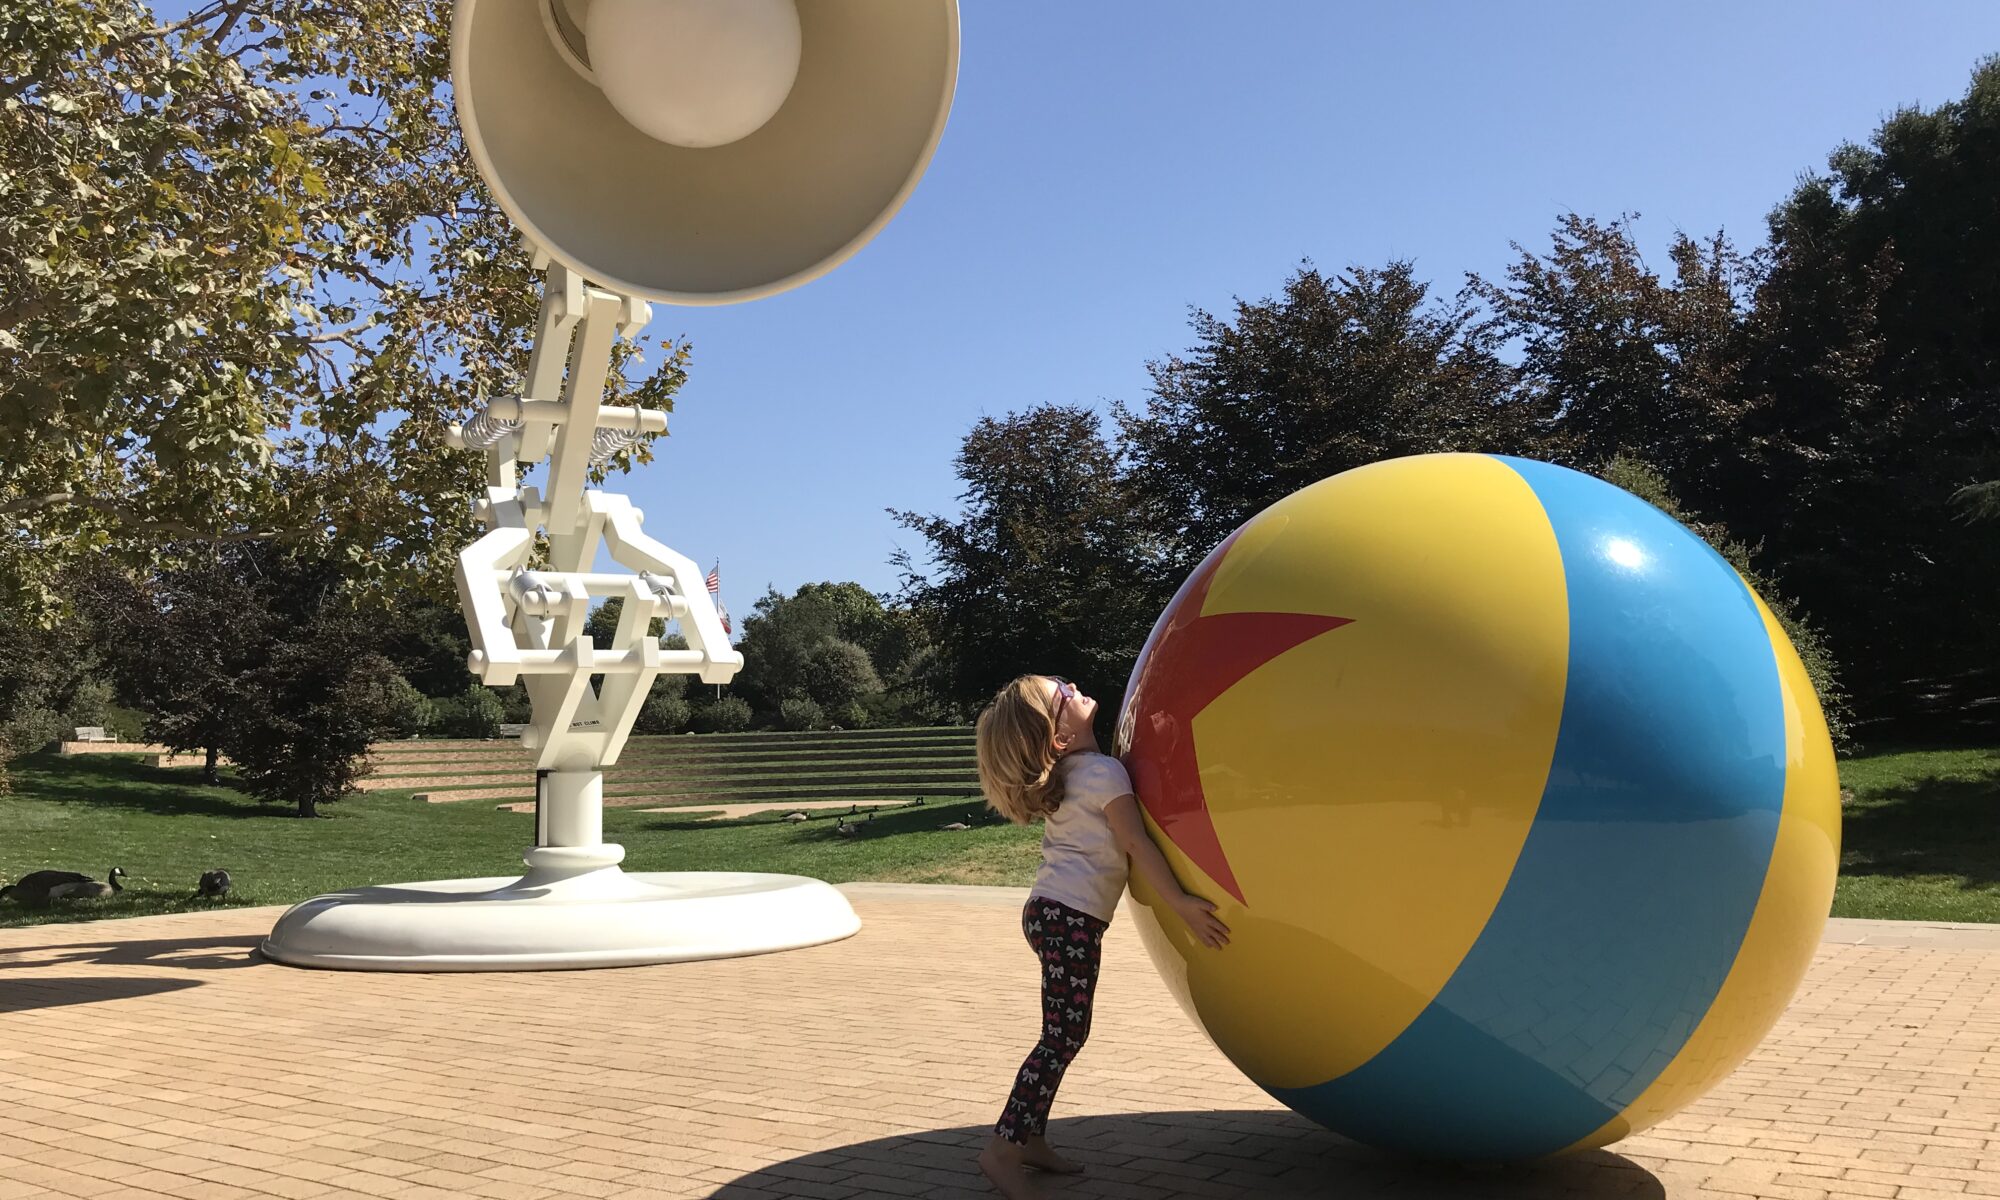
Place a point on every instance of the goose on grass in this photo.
(89, 889)
(36, 887)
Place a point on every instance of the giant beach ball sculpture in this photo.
(1517, 801)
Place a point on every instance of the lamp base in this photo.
(559, 920)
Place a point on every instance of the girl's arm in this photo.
(1130, 830)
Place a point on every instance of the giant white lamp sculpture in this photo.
(690, 152)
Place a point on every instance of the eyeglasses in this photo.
(1065, 692)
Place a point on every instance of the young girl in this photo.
(1039, 760)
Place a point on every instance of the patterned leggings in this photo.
(1071, 946)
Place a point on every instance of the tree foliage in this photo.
(730, 714)
(1616, 359)
(251, 275)
(476, 712)
(1332, 373)
(602, 623)
(310, 712)
(829, 643)
(1049, 567)
(1876, 395)
(52, 679)
(185, 639)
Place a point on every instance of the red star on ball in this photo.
(1189, 661)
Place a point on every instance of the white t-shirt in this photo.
(1082, 865)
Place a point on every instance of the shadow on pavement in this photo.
(192, 954)
(23, 995)
(1269, 1153)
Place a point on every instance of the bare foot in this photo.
(1043, 1157)
(1002, 1164)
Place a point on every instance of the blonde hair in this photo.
(1016, 740)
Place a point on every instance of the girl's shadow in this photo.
(1262, 1154)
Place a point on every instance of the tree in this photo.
(1620, 361)
(185, 639)
(310, 713)
(1050, 567)
(1876, 397)
(425, 637)
(1333, 373)
(263, 655)
(51, 680)
(602, 623)
(817, 644)
(252, 274)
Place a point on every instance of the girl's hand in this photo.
(1199, 916)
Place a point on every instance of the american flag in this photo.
(715, 590)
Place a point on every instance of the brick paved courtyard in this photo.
(160, 1057)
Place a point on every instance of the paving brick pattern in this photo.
(159, 1057)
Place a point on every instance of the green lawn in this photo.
(92, 812)
(1921, 839)
(1920, 836)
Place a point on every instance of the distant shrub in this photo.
(664, 714)
(474, 713)
(800, 713)
(406, 712)
(731, 714)
(125, 724)
(836, 671)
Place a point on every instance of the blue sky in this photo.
(1109, 165)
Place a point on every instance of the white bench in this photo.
(92, 733)
(512, 729)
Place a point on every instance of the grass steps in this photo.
(957, 781)
(510, 762)
(641, 794)
(957, 770)
(826, 765)
(707, 742)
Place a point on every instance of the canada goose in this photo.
(797, 816)
(89, 889)
(34, 887)
(842, 828)
(213, 884)
(955, 825)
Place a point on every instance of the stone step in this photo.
(727, 812)
(616, 796)
(721, 776)
(640, 756)
(682, 742)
